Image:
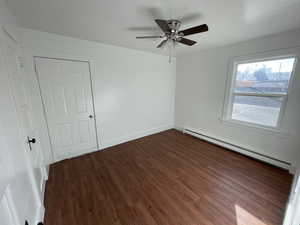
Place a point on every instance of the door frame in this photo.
(43, 101)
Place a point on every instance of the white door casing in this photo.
(68, 102)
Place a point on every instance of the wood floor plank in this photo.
(168, 178)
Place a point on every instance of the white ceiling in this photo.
(117, 22)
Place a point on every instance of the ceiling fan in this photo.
(172, 34)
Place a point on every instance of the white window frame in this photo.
(229, 96)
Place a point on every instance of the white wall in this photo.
(200, 90)
(5, 15)
(133, 90)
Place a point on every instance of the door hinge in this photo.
(21, 61)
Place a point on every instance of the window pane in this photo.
(270, 76)
(258, 110)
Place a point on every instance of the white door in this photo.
(16, 159)
(67, 95)
(22, 87)
(22, 93)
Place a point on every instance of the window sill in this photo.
(256, 128)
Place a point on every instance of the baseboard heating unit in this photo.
(239, 149)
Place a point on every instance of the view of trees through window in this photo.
(264, 77)
(260, 88)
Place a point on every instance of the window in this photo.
(259, 91)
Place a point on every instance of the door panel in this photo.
(84, 131)
(64, 134)
(67, 95)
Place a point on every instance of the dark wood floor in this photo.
(166, 179)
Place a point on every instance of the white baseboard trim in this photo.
(41, 209)
(46, 172)
(245, 151)
(181, 129)
(135, 135)
(115, 141)
(69, 155)
(293, 169)
(40, 214)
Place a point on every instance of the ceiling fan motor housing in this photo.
(174, 27)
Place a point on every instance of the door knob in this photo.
(91, 116)
(30, 141)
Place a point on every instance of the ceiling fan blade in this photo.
(162, 44)
(194, 30)
(163, 24)
(144, 37)
(186, 41)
